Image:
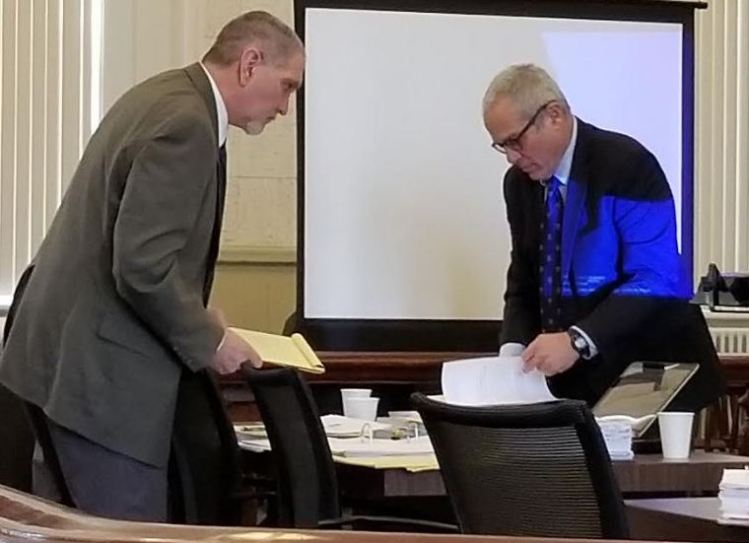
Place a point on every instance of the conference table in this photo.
(645, 475)
(681, 519)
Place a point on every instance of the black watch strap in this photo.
(579, 343)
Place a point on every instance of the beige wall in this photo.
(255, 279)
(256, 296)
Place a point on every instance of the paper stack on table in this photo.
(734, 497)
(617, 434)
(340, 426)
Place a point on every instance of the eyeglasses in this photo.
(513, 143)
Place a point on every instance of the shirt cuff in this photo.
(221, 343)
(511, 349)
(592, 349)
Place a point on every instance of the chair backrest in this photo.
(18, 442)
(204, 470)
(44, 438)
(15, 460)
(306, 477)
(526, 470)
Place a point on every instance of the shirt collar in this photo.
(221, 114)
(565, 165)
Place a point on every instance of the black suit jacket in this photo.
(622, 277)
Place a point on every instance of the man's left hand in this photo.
(550, 354)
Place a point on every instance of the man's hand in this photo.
(234, 352)
(550, 354)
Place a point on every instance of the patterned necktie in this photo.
(216, 235)
(551, 259)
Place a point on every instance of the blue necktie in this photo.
(551, 259)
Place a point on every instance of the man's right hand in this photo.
(234, 352)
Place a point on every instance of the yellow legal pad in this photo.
(293, 351)
(412, 463)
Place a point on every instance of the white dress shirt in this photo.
(221, 114)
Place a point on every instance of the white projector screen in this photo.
(403, 214)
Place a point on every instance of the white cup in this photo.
(676, 433)
(361, 408)
(347, 393)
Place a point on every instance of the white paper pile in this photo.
(617, 434)
(340, 426)
(734, 496)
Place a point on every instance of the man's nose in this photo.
(512, 156)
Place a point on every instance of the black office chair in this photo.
(17, 441)
(306, 475)
(15, 431)
(44, 438)
(538, 470)
(206, 481)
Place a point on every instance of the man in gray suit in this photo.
(114, 315)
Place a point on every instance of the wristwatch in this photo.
(579, 343)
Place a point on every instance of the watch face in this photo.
(579, 344)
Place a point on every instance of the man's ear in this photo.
(555, 111)
(250, 58)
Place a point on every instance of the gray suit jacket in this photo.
(115, 308)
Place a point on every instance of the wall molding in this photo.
(257, 255)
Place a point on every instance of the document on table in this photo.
(492, 381)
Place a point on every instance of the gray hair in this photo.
(259, 28)
(527, 85)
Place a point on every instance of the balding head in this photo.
(254, 28)
(257, 63)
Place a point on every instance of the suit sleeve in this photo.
(163, 194)
(521, 311)
(650, 264)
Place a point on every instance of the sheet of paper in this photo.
(492, 381)
(340, 426)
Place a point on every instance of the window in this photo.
(49, 106)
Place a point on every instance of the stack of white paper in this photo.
(492, 381)
(340, 426)
(734, 496)
(617, 434)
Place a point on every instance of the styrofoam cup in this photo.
(676, 433)
(361, 408)
(355, 393)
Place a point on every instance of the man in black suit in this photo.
(595, 280)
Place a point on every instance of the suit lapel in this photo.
(577, 187)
